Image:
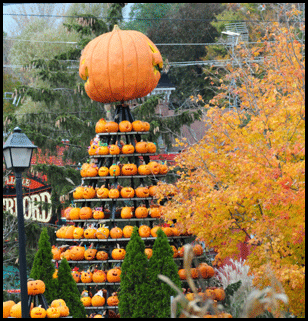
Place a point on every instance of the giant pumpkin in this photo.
(120, 65)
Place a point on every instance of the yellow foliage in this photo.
(246, 176)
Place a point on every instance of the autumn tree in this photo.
(244, 180)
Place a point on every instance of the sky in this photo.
(8, 20)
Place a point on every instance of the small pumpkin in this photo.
(69, 232)
(118, 253)
(85, 213)
(102, 192)
(98, 300)
(205, 270)
(219, 294)
(86, 301)
(53, 313)
(77, 253)
(102, 149)
(148, 252)
(76, 276)
(146, 126)
(128, 149)
(78, 192)
(57, 303)
(116, 233)
(111, 127)
(194, 273)
(144, 231)
(144, 169)
(97, 214)
(163, 169)
(125, 126)
(89, 192)
(151, 148)
(153, 190)
(91, 170)
(67, 212)
(92, 149)
(35, 287)
(127, 192)
(102, 255)
(142, 191)
(154, 230)
(182, 274)
(66, 254)
(89, 254)
(114, 275)
(78, 233)
(7, 305)
(167, 230)
(113, 193)
(127, 231)
(15, 311)
(197, 249)
(75, 213)
(114, 149)
(138, 126)
(154, 167)
(99, 276)
(114, 170)
(141, 147)
(38, 312)
(126, 213)
(86, 277)
(141, 212)
(90, 233)
(113, 300)
(155, 211)
(103, 171)
(102, 232)
(64, 310)
(129, 170)
(100, 126)
(56, 252)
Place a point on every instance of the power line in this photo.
(148, 19)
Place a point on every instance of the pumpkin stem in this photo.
(115, 28)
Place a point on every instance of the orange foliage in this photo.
(246, 176)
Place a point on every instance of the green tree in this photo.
(43, 268)
(133, 302)
(68, 291)
(161, 262)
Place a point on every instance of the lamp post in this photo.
(17, 152)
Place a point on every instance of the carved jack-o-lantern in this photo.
(129, 56)
(129, 169)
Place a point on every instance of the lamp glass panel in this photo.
(7, 158)
(21, 157)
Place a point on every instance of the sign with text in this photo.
(35, 193)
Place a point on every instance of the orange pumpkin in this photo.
(127, 231)
(38, 312)
(69, 233)
(113, 193)
(144, 231)
(98, 214)
(144, 169)
(163, 169)
(182, 274)
(142, 192)
(90, 233)
(127, 192)
(125, 126)
(78, 192)
(116, 233)
(56, 252)
(86, 301)
(151, 148)
(92, 170)
(102, 150)
(98, 300)
(76, 276)
(75, 213)
(100, 126)
(7, 308)
(120, 65)
(86, 277)
(85, 213)
(114, 170)
(113, 300)
(141, 147)
(118, 253)
(129, 169)
(102, 255)
(99, 276)
(102, 192)
(77, 253)
(114, 275)
(146, 126)
(89, 192)
(102, 232)
(194, 273)
(141, 212)
(155, 211)
(154, 230)
(138, 126)
(148, 252)
(154, 167)
(197, 249)
(153, 190)
(57, 303)
(15, 311)
(205, 270)
(126, 212)
(67, 212)
(35, 287)
(167, 230)
(114, 149)
(92, 149)
(128, 149)
(219, 294)
(78, 233)
(111, 127)
(53, 313)
(103, 171)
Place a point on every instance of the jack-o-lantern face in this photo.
(141, 147)
(103, 171)
(89, 254)
(114, 149)
(78, 233)
(38, 312)
(89, 192)
(128, 149)
(116, 233)
(53, 313)
(100, 126)
(111, 127)
(102, 255)
(98, 214)
(142, 192)
(133, 61)
(102, 233)
(141, 212)
(129, 169)
(86, 277)
(92, 149)
(36, 287)
(89, 233)
(126, 212)
(76, 276)
(163, 169)
(78, 192)
(138, 126)
(151, 147)
(125, 126)
(98, 276)
(144, 169)
(102, 150)
(102, 192)
(114, 170)
(118, 254)
(114, 275)
(114, 193)
(77, 253)
(154, 167)
(127, 192)
(85, 213)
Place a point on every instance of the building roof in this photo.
(164, 82)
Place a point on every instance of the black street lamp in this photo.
(17, 152)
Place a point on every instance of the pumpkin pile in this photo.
(98, 276)
(203, 270)
(103, 126)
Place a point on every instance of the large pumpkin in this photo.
(120, 65)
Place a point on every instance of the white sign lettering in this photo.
(31, 211)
